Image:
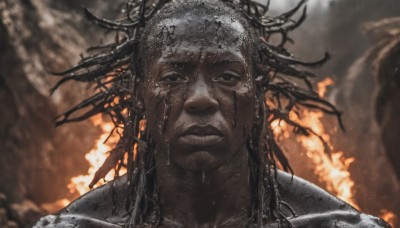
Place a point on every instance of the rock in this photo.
(36, 159)
(3, 217)
(3, 200)
(26, 212)
(11, 224)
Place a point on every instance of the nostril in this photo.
(201, 104)
(199, 99)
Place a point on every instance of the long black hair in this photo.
(115, 69)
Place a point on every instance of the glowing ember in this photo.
(322, 86)
(331, 168)
(389, 217)
(96, 157)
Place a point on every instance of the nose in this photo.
(199, 100)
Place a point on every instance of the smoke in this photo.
(336, 27)
(314, 6)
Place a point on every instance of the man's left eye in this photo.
(228, 77)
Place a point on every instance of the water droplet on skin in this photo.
(168, 153)
(167, 107)
(203, 176)
(234, 108)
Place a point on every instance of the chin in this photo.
(200, 161)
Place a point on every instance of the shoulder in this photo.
(315, 207)
(101, 207)
(102, 202)
(306, 197)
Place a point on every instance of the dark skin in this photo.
(205, 132)
(314, 208)
(200, 96)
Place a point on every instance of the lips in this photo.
(201, 136)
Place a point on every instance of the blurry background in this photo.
(42, 168)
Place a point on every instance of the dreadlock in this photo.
(115, 69)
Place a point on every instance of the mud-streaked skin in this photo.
(200, 97)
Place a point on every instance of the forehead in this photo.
(195, 55)
(191, 33)
(213, 29)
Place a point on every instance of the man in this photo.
(199, 73)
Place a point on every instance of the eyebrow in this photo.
(227, 61)
(188, 61)
(175, 62)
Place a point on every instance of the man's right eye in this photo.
(173, 77)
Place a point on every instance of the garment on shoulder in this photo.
(314, 207)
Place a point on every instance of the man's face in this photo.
(199, 92)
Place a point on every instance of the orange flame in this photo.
(96, 157)
(331, 168)
(55, 206)
(389, 217)
(322, 86)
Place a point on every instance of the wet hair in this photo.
(116, 71)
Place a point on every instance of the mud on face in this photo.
(199, 89)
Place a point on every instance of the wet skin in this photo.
(314, 207)
(205, 90)
(200, 101)
(200, 98)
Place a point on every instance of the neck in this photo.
(206, 198)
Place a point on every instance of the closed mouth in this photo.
(202, 130)
(201, 136)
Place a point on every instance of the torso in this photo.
(314, 207)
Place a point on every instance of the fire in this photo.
(322, 86)
(55, 206)
(389, 217)
(331, 168)
(96, 157)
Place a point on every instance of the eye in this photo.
(173, 77)
(228, 76)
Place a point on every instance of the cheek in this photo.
(245, 109)
(162, 107)
(237, 106)
(155, 99)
